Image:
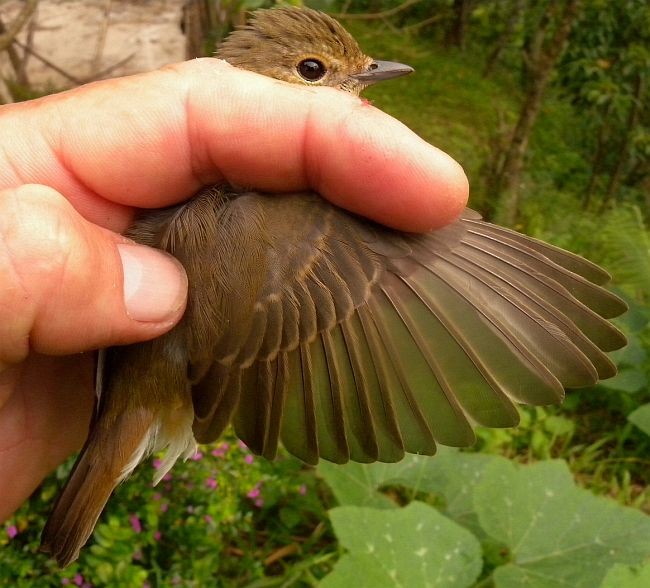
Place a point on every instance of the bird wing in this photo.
(350, 341)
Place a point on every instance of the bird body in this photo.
(340, 338)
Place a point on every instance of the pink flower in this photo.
(254, 492)
(157, 536)
(136, 525)
(164, 507)
(258, 502)
(249, 459)
(302, 490)
(157, 463)
(78, 579)
(211, 483)
(157, 496)
(12, 531)
(221, 450)
(198, 456)
(167, 477)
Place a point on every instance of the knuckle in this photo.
(36, 243)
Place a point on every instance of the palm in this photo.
(45, 404)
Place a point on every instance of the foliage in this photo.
(415, 546)
(219, 519)
(535, 527)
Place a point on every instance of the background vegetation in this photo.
(546, 105)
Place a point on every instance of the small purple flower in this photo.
(12, 531)
(208, 519)
(167, 477)
(157, 496)
(221, 450)
(254, 492)
(157, 536)
(157, 463)
(249, 459)
(211, 483)
(302, 490)
(258, 502)
(164, 507)
(136, 525)
(198, 456)
(78, 579)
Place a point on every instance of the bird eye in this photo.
(311, 70)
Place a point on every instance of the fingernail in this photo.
(155, 284)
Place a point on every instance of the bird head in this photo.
(304, 46)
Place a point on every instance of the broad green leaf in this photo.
(450, 474)
(557, 534)
(406, 547)
(641, 418)
(357, 484)
(628, 380)
(621, 576)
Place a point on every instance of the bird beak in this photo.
(382, 70)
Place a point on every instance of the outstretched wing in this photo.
(347, 340)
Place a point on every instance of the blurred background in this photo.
(546, 105)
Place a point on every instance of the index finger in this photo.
(154, 139)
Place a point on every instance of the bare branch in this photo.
(6, 39)
(101, 39)
(423, 23)
(51, 65)
(377, 15)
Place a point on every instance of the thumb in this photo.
(69, 285)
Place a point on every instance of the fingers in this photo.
(154, 139)
(69, 286)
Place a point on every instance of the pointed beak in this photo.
(382, 70)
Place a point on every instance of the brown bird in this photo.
(341, 338)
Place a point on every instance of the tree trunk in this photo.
(540, 63)
(597, 160)
(624, 149)
(457, 32)
(504, 40)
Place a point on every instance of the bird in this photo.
(340, 338)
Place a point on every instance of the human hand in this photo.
(71, 283)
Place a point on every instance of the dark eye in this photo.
(311, 70)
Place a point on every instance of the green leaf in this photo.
(357, 484)
(450, 474)
(627, 577)
(628, 380)
(411, 546)
(641, 418)
(557, 534)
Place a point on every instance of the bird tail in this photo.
(111, 453)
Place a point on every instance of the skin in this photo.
(75, 166)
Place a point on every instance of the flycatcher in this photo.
(342, 339)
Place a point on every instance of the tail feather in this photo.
(108, 457)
